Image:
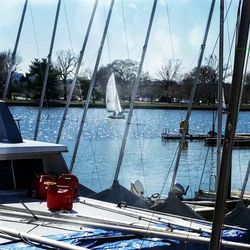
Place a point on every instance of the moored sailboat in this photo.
(112, 99)
(28, 220)
(94, 224)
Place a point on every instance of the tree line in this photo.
(169, 85)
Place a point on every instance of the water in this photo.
(146, 156)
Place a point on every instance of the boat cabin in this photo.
(22, 162)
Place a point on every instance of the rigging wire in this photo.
(38, 54)
(84, 152)
(170, 30)
(125, 29)
(95, 165)
(230, 51)
(34, 30)
(36, 41)
(141, 151)
(229, 57)
(107, 39)
(225, 18)
(168, 171)
(228, 36)
(67, 22)
(203, 170)
(109, 54)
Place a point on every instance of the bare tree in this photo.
(86, 74)
(66, 63)
(170, 72)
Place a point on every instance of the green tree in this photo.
(206, 86)
(84, 86)
(125, 71)
(35, 78)
(5, 62)
(125, 74)
(246, 89)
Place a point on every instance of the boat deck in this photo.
(32, 215)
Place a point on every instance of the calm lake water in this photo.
(146, 156)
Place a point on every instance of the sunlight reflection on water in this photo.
(146, 156)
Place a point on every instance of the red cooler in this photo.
(69, 180)
(59, 197)
(41, 185)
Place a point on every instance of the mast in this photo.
(220, 93)
(76, 73)
(232, 115)
(13, 56)
(131, 107)
(91, 86)
(181, 143)
(46, 72)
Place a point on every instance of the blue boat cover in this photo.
(8, 128)
(98, 239)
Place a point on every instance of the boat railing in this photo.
(165, 132)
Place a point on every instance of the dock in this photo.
(177, 136)
(240, 140)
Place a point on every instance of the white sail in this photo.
(224, 107)
(112, 98)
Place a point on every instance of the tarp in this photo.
(173, 205)
(117, 193)
(8, 128)
(98, 239)
(240, 216)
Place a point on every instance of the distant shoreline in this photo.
(141, 105)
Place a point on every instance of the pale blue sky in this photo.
(188, 19)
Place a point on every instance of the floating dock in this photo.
(240, 140)
(177, 136)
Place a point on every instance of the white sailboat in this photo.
(224, 107)
(112, 100)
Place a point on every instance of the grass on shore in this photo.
(143, 105)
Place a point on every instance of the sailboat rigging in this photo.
(117, 193)
(91, 86)
(13, 56)
(112, 99)
(46, 74)
(92, 224)
(231, 123)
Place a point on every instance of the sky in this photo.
(177, 30)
